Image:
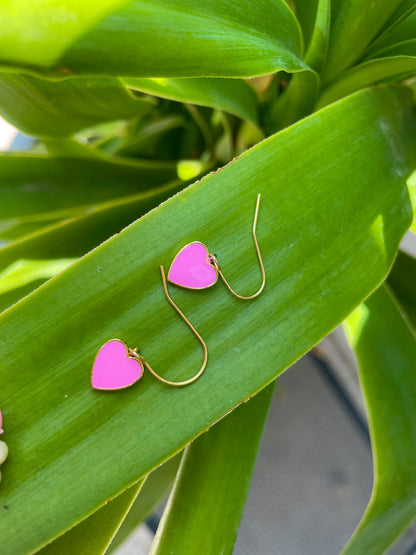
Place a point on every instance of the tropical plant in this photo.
(310, 103)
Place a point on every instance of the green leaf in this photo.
(386, 350)
(366, 74)
(403, 31)
(24, 272)
(155, 487)
(231, 95)
(306, 11)
(402, 279)
(93, 535)
(405, 48)
(37, 188)
(299, 99)
(74, 236)
(58, 109)
(318, 46)
(212, 484)
(297, 102)
(354, 25)
(142, 38)
(411, 183)
(326, 246)
(405, 8)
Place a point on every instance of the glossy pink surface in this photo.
(113, 369)
(1, 423)
(191, 268)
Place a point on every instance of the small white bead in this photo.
(4, 451)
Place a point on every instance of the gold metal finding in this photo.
(217, 266)
(134, 352)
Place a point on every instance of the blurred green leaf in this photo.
(306, 11)
(405, 8)
(155, 487)
(147, 135)
(231, 95)
(142, 38)
(405, 48)
(366, 74)
(93, 535)
(24, 272)
(299, 99)
(212, 484)
(326, 246)
(402, 281)
(74, 236)
(354, 24)
(318, 46)
(13, 296)
(36, 187)
(386, 350)
(403, 31)
(58, 109)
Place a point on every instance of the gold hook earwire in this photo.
(194, 331)
(256, 244)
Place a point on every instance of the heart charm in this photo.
(192, 269)
(113, 368)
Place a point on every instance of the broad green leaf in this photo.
(368, 73)
(326, 246)
(154, 489)
(23, 272)
(142, 38)
(34, 187)
(93, 535)
(58, 109)
(231, 95)
(354, 24)
(212, 484)
(402, 280)
(386, 350)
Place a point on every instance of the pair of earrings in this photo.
(117, 366)
(4, 450)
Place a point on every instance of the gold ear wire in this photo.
(194, 331)
(263, 273)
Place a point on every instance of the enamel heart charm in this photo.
(192, 268)
(114, 368)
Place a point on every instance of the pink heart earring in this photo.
(195, 268)
(116, 366)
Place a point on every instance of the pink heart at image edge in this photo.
(192, 269)
(113, 368)
(1, 423)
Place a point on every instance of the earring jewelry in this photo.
(194, 267)
(117, 366)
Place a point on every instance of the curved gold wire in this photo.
(263, 273)
(139, 357)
